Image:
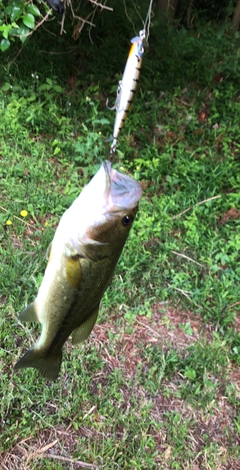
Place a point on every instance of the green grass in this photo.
(156, 386)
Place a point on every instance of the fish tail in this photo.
(47, 365)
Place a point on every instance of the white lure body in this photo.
(128, 85)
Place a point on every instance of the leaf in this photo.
(14, 25)
(56, 150)
(23, 33)
(33, 9)
(190, 373)
(5, 32)
(101, 121)
(29, 20)
(4, 44)
(14, 9)
(16, 13)
(6, 85)
(44, 87)
(32, 97)
(58, 89)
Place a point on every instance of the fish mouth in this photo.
(122, 191)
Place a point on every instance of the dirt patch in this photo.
(58, 446)
(166, 328)
(232, 213)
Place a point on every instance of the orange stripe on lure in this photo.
(128, 85)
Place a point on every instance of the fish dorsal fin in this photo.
(84, 330)
(73, 271)
(29, 313)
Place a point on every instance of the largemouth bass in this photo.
(81, 259)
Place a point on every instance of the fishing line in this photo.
(148, 19)
(128, 17)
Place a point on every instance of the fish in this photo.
(128, 85)
(81, 260)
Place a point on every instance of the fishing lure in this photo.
(128, 85)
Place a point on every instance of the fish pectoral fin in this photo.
(83, 247)
(29, 313)
(70, 250)
(84, 330)
(48, 366)
(91, 249)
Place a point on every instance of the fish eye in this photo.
(127, 220)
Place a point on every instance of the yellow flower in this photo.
(9, 222)
(24, 213)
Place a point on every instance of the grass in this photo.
(156, 386)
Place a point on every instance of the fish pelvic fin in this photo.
(84, 330)
(29, 313)
(47, 365)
